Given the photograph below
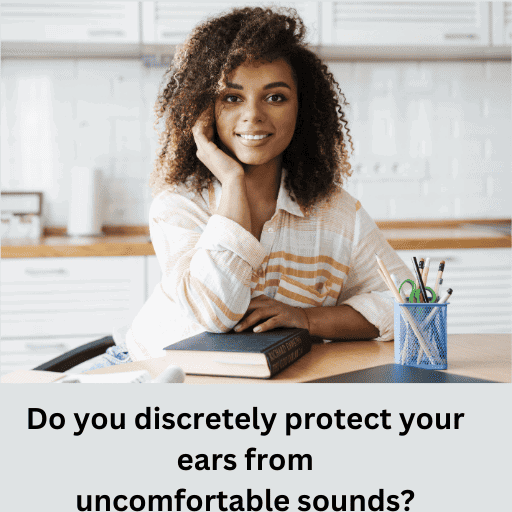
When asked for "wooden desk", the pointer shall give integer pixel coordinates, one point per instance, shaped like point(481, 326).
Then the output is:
point(485, 356)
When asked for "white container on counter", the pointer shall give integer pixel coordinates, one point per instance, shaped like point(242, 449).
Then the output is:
point(85, 217)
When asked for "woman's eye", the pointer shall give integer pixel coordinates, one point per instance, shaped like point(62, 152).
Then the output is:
point(231, 99)
point(276, 98)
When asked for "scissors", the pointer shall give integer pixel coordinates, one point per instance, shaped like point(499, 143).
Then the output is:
point(415, 294)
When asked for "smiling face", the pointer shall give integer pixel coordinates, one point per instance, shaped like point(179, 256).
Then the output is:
point(256, 113)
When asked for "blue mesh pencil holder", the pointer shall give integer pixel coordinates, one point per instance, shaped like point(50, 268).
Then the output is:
point(421, 335)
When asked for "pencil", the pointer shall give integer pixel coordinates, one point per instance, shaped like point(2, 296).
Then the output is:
point(424, 275)
point(388, 283)
point(439, 277)
point(442, 300)
point(395, 282)
point(388, 280)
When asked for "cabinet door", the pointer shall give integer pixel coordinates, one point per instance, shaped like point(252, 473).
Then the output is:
point(501, 23)
point(481, 280)
point(77, 22)
point(171, 22)
point(153, 274)
point(43, 297)
point(415, 23)
point(27, 353)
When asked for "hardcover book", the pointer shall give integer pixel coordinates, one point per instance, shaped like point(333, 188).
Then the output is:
point(245, 354)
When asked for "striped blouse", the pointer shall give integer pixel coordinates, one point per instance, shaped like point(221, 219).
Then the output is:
point(212, 267)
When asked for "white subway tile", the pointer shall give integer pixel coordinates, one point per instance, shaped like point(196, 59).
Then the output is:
point(100, 112)
point(377, 208)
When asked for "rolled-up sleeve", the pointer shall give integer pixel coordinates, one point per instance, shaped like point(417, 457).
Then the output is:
point(207, 261)
point(364, 290)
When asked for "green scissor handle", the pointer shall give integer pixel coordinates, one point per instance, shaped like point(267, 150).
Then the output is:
point(415, 294)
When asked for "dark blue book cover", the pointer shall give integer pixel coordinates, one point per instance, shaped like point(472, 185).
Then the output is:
point(278, 349)
point(258, 343)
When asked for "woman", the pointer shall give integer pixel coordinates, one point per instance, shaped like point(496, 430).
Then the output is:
point(249, 222)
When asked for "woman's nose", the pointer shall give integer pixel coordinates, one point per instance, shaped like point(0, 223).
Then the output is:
point(253, 112)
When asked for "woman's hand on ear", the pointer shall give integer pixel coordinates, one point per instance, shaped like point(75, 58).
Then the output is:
point(277, 314)
point(217, 161)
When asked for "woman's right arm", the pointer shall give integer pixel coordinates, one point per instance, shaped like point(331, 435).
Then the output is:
point(233, 203)
point(207, 261)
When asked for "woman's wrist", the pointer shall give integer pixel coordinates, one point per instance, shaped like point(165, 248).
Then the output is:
point(234, 180)
point(306, 326)
point(233, 202)
point(339, 322)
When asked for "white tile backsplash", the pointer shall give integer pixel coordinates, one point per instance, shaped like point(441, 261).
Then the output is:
point(438, 132)
point(456, 116)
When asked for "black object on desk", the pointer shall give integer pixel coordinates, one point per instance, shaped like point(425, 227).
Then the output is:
point(244, 354)
point(394, 373)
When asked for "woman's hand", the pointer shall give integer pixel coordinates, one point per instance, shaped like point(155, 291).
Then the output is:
point(277, 313)
point(219, 163)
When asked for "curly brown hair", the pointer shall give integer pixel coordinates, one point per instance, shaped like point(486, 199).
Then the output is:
point(317, 157)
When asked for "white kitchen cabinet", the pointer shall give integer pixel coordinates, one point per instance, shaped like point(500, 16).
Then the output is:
point(416, 23)
point(170, 22)
point(502, 23)
point(70, 22)
point(481, 280)
point(43, 297)
point(51, 305)
point(28, 353)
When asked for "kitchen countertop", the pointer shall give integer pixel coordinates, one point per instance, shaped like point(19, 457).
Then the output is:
point(135, 241)
point(445, 238)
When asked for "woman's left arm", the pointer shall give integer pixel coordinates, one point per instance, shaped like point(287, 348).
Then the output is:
point(335, 322)
point(360, 313)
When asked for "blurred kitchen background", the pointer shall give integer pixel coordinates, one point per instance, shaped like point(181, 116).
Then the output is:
point(429, 88)
point(431, 133)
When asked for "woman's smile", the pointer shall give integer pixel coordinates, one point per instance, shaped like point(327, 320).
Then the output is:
point(252, 140)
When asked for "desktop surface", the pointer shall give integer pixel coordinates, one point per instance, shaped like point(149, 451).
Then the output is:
point(479, 356)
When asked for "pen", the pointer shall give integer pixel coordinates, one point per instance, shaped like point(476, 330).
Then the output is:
point(439, 278)
point(424, 276)
point(421, 264)
point(420, 281)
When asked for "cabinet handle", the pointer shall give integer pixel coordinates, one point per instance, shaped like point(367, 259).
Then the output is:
point(55, 346)
point(102, 33)
point(461, 36)
point(46, 271)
